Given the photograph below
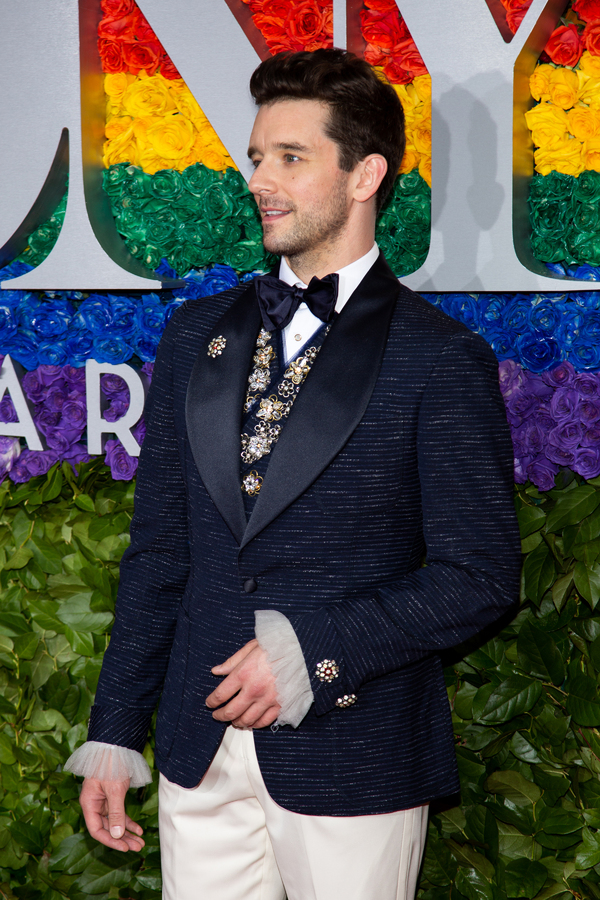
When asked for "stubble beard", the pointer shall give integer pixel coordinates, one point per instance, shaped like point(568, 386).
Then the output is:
point(314, 231)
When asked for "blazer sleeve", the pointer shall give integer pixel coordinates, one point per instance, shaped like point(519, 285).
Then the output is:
point(471, 577)
point(154, 572)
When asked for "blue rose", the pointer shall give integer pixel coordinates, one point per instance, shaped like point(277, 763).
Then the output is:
point(586, 299)
point(584, 272)
point(584, 353)
point(79, 345)
point(501, 343)
point(545, 317)
point(492, 309)
point(537, 352)
point(516, 315)
point(52, 318)
point(462, 307)
point(569, 324)
point(23, 347)
point(150, 315)
point(112, 350)
point(217, 279)
point(590, 326)
point(52, 353)
point(14, 269)
point(145, 346)
point(171, 307)
point(8, 319)
point(123, 311)
point(95, 314)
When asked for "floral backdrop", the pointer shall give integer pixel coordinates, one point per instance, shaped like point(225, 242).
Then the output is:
point(525, 704)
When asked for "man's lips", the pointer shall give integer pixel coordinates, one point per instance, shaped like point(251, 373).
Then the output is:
point(272, 215)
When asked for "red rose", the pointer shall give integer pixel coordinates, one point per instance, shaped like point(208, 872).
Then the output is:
point(564, 46)
point(395, 72)
point(110, 56)
point(382, 6)
point(306, 22)
point(383, 31)
point(591, 38)
point(374, 55)
point(588, 10)
point(278, 8)
point(141, 56)
point(121, 28)
point(117, 8)
point(167, 69)
point(406, 56)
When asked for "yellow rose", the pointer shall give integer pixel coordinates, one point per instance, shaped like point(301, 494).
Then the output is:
point(564, 88)
point(422, 85)
point(425, 169)
point(172, 137)
point(590, 93)
point(148, 96)
point(408, 97)
point(584, 123)
point(151, 162)
point(546, 122)
point(590, 64)
point(564, 156)
point(209, 150)
point(410, 160)
point(115, 86)
point(121, 145)
point(188, 107)
point(591, 154)
point(539, 83)
point(422, 135)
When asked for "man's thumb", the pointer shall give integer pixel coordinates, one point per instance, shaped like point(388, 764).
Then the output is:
point(116, 814)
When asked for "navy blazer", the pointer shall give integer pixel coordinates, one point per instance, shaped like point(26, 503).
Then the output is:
point(397, 447)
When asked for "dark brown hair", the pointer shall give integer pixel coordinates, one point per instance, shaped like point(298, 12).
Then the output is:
point(365, 116)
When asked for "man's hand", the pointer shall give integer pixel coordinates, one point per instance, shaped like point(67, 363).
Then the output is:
point(249, 676)
point(103, 805)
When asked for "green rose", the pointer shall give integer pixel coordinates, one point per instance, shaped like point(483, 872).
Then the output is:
point(227, 232)
point(198, 234)
point(587, 187)
point(43, 240)
point(152, 256)
point(234, 184)
point(584, 247)
point(162, 230)
point(138, 183)
point(586, 217)
point(547, 248)
point(114, 178)
point(132, 224)
point(197, 179)
point(245, 256)
point(216, 203)
point(550, 216)
point(187, 208)
point(253, 231)
point(166, 185)
point(555, 185)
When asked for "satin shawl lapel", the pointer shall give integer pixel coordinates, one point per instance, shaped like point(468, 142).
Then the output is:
point(214, 403)
point(333, 399)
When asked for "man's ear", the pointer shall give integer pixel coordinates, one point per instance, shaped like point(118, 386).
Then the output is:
point(370, 173)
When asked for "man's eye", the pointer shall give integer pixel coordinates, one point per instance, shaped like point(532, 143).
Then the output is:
point(255, 163)
point(289, 157)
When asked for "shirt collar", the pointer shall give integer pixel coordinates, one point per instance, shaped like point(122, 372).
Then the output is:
point(350, 276)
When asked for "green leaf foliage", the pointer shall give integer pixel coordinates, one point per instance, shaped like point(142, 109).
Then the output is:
point(526, 712)
point(525, 707)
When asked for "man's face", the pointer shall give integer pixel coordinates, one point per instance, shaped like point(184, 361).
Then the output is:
point(302, 194)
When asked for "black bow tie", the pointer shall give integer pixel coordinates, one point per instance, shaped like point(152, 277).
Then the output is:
point(279, 301)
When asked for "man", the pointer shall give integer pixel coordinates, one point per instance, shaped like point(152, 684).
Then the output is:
point(371, 431)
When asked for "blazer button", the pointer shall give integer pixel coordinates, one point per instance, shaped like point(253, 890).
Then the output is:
point(250, 585)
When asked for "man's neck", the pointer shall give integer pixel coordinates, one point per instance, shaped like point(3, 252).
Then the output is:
point(326, 260)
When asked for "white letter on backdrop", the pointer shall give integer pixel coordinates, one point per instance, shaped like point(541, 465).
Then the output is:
point(25, 427)
point(96, 425)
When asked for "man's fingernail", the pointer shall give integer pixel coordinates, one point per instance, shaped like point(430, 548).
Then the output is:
point(116, 831)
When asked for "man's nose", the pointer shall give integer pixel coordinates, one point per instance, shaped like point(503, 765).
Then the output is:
point(262, 180)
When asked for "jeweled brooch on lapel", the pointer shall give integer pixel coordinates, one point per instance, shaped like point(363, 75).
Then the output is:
point(216, 346)
point(251, 483)
point(327, 670)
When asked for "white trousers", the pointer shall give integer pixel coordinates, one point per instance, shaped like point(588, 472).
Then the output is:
point(226, 839)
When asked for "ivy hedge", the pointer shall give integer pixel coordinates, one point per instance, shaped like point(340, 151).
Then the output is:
point(525, 705)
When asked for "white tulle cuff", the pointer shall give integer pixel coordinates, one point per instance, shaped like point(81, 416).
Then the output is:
point(276, 636)
point(109, 762)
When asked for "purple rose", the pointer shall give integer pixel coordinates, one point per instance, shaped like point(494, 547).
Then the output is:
point(116, 410)
point(148, 370)
point(75, 378)
point(114, 386)
point(587, 384)
point(535, 438)
point(511, 377)
point(587, 462)
point(8, 412)
point(56, 397)
point(49, 374)
point(139, 431)
point(76, 453)
point(536, 385)
point(74, 414)
point(32, 463)
point(10, 450)
point(564, 403)
point(545, 420)
point(566, 436)
point(542, 473)
point(46, 419)
point(560, 376)
point(589, 411)
point(33, 386)
point(591, 437)
point(520, 407)
point(61, 439)
point(122, 466)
